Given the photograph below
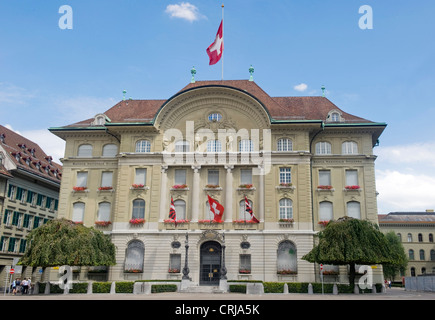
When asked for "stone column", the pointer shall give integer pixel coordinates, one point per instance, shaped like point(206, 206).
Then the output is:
point(195, 193)
point(261, 193)
point(228, 213)
point(163, 193)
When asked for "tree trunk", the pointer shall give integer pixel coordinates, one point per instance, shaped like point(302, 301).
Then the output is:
point(352, 275)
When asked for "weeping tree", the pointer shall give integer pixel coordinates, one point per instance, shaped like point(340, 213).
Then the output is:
point(349, 241)
point(392, 269)
point(62, 242)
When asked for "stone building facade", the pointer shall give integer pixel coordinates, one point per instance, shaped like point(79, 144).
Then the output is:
point(296, 161)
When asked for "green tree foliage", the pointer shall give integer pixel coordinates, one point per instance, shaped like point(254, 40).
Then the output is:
point(62, 242)
point(392, 269)
point(350, 241)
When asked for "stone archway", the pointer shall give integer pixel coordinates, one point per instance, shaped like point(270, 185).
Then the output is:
point(210, 263)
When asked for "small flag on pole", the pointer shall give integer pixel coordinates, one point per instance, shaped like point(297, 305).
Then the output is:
point(216, 49)
point(172, 212)
point(249, 210)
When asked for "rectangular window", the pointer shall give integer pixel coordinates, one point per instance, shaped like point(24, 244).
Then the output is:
point(246, 176)
point(29, 196)
point(3, 243)
point(16, 219)
point(324, 177)
point(106, 179)
point(27, 221)
point(36, 221)
point(23, 244)
point(140, 176)
point(11, 247)
point(351, 177)
point(174, 263)
point(11, 192)
point(285, 175)
point(180, 176)
point(19, 194)
point(213, 177)
point(7, 217)
point(82, 179)
point(245, 264)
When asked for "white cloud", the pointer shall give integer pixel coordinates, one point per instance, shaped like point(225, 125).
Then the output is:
point(405, 177)
point(11, 94)
point(301, 87)
point(399, 191)
point(184, 10)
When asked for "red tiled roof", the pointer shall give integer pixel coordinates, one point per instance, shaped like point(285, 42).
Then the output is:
point(15, 144)
point(279, 108)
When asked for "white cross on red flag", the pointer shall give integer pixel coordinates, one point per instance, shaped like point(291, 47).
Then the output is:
point(216, 208)
point(216, 49)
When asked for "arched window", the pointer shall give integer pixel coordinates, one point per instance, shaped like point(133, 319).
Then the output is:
point(411, 254)
point(323, 147)
point(412, 272)
point(335, 117)
point(285, 208)
point(349, 147)
point(85, 151)
point(143, 146)
point(422, 255)
point(285, 144)
point(354, 209)
point(246, 145)
point(432, 255)
point(110, 150)
point(134, 257)
point(182, 146)
point(78, 212)
point(409, 237)
point(430, 237)
point(325, 211)
point(103, 211)
point(399, 235)
point(420, 237)
point(214, 146)
point(138, 209)
point(180, 209)
point(287, 258)
point(243, 214)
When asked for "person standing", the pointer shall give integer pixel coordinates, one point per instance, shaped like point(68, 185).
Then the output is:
point(25, 285)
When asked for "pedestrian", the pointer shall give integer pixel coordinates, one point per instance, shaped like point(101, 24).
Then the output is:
point(18, 285)
point(29, 286)
point(14, 287)
point(389, 284)
point(25, 285)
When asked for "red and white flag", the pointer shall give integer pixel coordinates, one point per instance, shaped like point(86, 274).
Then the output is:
point(172, 212)
point(216, 49)
point(216, 208)
point(249, 210)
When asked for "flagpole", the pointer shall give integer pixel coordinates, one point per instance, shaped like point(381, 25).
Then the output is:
point(224, 43)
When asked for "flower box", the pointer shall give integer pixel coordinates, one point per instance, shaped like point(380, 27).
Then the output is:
point(174, 270)
point(286, 272)
point(246, 186)
point(137, 221)
point(79, 189)
point(105, 188)
point(176, 221)
point(137, 186)
point(352, 187)
point(285, 185)
point(179, 186)
point(241, 221)
point(210, 221)
point(212, 186)
point(245, 271)
point(324, 187)
point(323, 222)
point(133, 271)
point(103, 223)
point(286, 220)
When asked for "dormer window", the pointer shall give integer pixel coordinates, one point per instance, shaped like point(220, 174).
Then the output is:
point(334, 116)
point(2, 138)
point(49, 159)
point(99, 120)
point(28, 159)
point(32, 151)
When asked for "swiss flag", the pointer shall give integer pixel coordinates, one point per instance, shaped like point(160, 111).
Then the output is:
point(216, 49)
point(216, 208)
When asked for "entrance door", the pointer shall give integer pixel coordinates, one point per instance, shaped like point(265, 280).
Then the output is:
point(210, 263)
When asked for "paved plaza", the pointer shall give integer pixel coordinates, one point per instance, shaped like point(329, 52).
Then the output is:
point(390, 294)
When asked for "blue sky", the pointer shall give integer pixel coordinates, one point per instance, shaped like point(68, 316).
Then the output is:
point(52, 77)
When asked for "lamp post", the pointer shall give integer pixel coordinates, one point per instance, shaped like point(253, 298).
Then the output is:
point(223, 268)
point(186, 267)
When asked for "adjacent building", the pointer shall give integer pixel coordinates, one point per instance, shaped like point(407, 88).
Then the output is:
point(416, 231)
point(294, 162)
point(29, 196)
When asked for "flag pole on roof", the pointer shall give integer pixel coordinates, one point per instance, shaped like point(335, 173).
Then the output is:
point(215, 50)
